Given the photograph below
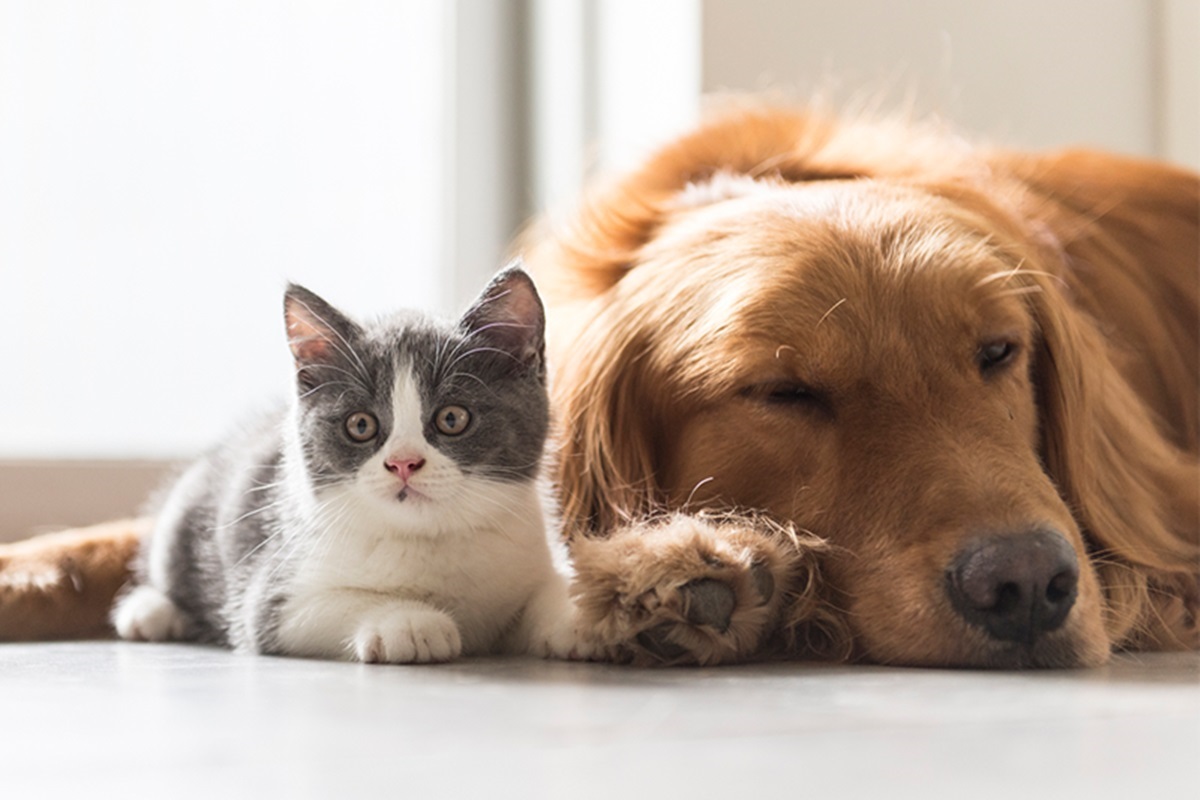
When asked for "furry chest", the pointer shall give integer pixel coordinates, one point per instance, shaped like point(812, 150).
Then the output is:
point(482, 578)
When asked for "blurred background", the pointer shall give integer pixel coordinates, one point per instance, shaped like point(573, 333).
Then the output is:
point(165, 168)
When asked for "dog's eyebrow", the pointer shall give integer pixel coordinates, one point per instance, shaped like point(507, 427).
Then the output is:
point(832, 308)
point(1019, 290)
point(1007, 274)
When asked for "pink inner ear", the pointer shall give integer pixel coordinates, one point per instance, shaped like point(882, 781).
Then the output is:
point(310, 349)
point(521, 308)
point(309, 342)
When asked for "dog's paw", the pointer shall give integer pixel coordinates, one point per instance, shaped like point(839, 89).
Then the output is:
point(684, 590)
point(148, 615)
point(406, 635)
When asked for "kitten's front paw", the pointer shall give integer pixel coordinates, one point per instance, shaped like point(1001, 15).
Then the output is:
point(568, 642)
point(407, 636)
point(148, 615)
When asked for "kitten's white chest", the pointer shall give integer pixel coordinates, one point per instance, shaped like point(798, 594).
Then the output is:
point(482, 576)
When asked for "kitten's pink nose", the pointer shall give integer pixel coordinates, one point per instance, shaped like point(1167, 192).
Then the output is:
point(404, 466)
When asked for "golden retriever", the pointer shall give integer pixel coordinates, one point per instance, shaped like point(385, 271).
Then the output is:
point(852, 390)
point(973, 374)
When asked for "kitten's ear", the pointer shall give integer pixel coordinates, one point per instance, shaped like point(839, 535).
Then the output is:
point(318, 334)
point(509, 316)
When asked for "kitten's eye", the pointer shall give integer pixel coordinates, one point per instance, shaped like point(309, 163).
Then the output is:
point(361, 426)
point(993, 355)
point(452, 420)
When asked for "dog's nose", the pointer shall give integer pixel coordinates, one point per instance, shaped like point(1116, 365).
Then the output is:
point(1015, 586)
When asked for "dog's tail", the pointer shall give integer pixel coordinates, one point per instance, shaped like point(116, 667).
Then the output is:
point(62, 585)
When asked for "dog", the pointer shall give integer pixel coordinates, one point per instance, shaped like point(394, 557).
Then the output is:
point(851, 390)
point(965, 380)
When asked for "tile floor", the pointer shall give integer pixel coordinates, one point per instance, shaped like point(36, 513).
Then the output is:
point(107, 719)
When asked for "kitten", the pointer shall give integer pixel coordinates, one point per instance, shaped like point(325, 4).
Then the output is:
point(390, 514)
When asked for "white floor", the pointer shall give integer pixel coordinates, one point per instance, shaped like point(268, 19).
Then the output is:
point(106, 719)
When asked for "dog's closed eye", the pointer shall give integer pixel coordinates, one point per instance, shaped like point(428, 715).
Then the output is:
point(789, 395)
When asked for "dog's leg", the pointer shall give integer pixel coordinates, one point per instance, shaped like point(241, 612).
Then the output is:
point(62, 585)
point(706, 589)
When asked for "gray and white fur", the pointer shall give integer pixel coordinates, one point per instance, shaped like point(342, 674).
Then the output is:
point(390, 513)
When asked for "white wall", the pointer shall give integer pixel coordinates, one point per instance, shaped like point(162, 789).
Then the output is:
point(1036, 73)
point(1179, 46)
point(166, 167)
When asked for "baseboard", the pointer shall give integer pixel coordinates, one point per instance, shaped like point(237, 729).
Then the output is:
point(42, 496)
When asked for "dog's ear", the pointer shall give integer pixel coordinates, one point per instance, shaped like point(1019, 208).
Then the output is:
point(1135, 494)
point(1125, 233)
point(608, 449)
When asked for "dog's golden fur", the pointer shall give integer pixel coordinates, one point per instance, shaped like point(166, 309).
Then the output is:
point(781, 315)
point(61, 585)
point(868, 263)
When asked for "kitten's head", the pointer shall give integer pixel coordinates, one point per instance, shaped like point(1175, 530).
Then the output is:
point(429, 423)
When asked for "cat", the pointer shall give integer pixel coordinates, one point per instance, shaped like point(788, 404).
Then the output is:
point(390, 514)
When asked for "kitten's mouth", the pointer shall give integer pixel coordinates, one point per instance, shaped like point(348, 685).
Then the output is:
point(409, 493)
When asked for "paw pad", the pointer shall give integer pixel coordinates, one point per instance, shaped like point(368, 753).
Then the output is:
point(708, 602)
point(764, 581)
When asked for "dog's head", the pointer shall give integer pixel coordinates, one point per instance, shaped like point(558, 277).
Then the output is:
point(882, 353)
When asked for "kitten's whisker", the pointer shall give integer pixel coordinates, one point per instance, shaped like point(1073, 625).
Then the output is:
point(270, 537)
point(247, 515)
point(475, 378)
point(475, 350)
point(500, 324)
